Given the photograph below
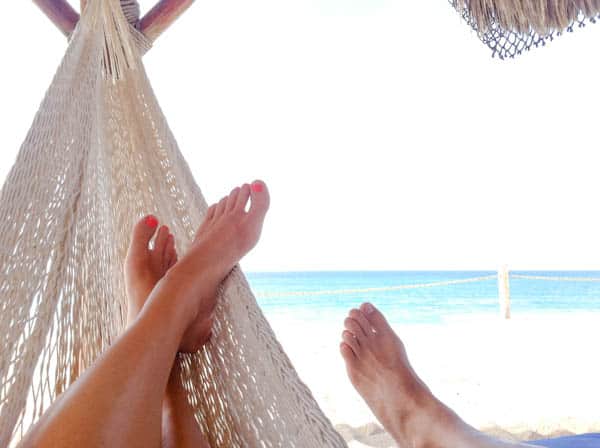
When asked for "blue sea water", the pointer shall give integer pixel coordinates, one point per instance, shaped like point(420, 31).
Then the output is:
point(301, 294)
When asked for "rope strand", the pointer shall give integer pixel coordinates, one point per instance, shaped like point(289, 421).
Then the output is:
point(378, 289)
point(265, 295)
point(555, 279)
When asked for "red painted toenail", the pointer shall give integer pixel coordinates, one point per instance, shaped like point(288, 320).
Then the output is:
point(151, 221)
point(257, 187)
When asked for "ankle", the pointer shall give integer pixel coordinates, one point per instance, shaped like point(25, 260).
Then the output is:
point(193, 274)
point(420, 423)
point(174, 291)
point(434, 425)
point(162, 309)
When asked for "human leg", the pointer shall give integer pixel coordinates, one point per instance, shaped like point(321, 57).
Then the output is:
point(144, 267)
point(118, 400)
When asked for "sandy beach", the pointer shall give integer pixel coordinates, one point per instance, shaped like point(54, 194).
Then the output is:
point(533, 376)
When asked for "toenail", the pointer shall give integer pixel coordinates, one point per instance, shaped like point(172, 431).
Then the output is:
point(257, 187)
point(151, 221)
point(368, 308)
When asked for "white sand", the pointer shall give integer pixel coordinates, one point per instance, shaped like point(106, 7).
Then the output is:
point(532, 376)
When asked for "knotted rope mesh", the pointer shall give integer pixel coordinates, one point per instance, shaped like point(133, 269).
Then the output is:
point(98, 156)
point(131, 11)
point(510, 27)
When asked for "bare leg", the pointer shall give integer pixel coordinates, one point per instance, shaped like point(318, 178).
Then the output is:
point(379, 369)
point(144, 267)
point(118, 401)
point(180, 428)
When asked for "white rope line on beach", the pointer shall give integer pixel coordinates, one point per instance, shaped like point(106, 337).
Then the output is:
point(377, 289)
point(555, 279)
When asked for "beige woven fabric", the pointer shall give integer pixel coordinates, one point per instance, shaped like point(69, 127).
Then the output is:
point(99, 156)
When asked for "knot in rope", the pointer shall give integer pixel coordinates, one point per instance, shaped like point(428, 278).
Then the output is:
point(131, 9)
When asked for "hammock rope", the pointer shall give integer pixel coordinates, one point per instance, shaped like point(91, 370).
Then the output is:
point(131, 11)
point(376, 289)
point(336, 292)
point(555, 278)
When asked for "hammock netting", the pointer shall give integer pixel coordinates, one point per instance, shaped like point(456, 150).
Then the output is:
point(99, 156)
point(510, 27)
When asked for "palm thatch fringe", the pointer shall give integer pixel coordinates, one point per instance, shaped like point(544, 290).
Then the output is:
point(509, 27)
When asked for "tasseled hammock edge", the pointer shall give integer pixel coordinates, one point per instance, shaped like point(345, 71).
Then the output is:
point(509, 27)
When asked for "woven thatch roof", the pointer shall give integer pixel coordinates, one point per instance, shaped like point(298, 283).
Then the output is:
point(509, 27)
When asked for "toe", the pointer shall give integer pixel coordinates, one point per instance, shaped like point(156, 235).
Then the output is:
point(347, 353)
point(353, 327)
point(351, 341)
point(172, 261)
point(207, 221)
point(242, 197)
point(210, 213)
point(158, 251)
point(221, 207)
point(359, 317)
point(170, 252)
point(161, 241)
point(142, 234)
point(259, 197)
point(232, 199)
point(375, 318)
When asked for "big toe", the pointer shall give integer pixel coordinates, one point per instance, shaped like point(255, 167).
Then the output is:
point(142, 234)
point(375, 318)
point(259, 200)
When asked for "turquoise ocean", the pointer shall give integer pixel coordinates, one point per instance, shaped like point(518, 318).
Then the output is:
point(321, 296)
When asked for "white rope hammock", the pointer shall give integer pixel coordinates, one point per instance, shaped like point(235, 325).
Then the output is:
point(99, 156)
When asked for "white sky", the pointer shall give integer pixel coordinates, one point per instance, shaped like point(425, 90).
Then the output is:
point(388, 135)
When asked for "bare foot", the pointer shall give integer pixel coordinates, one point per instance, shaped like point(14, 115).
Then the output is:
point(226, 235)
point(378, 368)
point(145, 266)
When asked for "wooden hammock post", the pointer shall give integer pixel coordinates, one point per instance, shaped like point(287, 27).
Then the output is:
point(159, 18)
point(504, 291)
point(152, 25)
point(61, 13)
